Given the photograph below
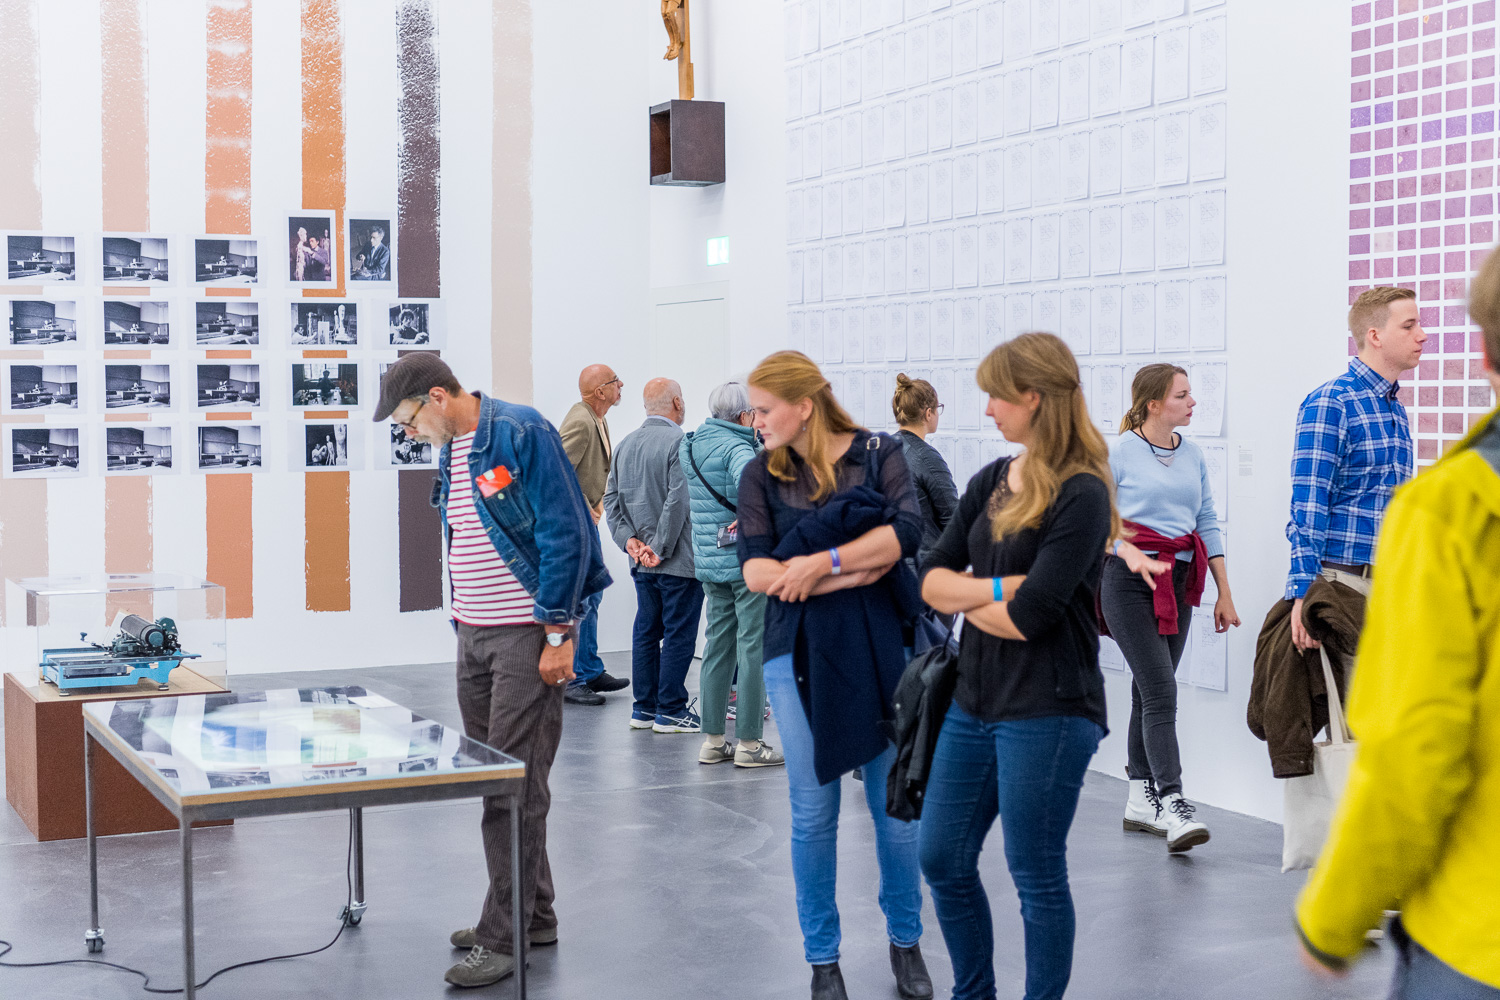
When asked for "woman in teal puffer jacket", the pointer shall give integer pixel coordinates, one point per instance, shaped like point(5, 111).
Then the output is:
point(712, 459)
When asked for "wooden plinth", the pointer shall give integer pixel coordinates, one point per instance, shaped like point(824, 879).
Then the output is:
point(44, 763)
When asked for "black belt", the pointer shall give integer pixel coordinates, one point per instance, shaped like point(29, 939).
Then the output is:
point(1363, 571)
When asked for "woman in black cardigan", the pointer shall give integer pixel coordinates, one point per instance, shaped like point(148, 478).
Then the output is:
point(1022, 561)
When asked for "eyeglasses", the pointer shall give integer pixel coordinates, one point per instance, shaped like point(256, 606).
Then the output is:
point(410, 423)
point(605, 385)
point(939, 409)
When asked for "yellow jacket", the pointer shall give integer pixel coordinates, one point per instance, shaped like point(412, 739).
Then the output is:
point(1418, 828)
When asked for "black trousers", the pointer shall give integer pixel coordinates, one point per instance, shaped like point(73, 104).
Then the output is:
point(1129, 611)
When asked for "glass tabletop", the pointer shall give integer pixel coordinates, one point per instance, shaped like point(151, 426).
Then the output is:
point(291, 738)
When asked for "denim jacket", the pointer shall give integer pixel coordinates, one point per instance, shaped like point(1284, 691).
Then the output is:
point(556, 557)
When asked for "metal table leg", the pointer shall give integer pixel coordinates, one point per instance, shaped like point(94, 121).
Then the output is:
point(517, 922)
point(185, 835)
point(93, 938)
point(355, 911)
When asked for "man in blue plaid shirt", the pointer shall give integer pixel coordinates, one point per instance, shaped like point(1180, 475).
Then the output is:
point(1353, 449)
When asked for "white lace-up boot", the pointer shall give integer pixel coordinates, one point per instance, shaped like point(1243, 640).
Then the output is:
point(1183, 832)
point(1143, 809)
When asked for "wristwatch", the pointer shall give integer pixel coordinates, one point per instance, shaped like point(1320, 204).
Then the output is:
point(556, 639)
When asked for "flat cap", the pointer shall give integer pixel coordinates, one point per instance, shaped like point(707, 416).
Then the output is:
point(414, 375)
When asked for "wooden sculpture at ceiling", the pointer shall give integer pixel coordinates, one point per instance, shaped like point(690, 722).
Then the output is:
point(674, 15)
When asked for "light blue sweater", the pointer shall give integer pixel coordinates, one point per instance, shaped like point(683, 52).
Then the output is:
point(1170, 500)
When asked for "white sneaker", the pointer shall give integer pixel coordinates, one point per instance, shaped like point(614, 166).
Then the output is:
point(1143, 809)
point(1183, 832)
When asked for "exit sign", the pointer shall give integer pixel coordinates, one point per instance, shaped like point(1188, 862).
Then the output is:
point(718, 250)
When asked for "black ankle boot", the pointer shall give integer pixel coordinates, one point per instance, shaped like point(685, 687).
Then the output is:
point(828, 983)
point(912, 980)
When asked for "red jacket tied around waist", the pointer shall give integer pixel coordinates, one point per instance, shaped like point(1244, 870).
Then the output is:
point(1164, 598)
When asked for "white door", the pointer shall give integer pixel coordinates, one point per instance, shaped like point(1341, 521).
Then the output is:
point(690, 342)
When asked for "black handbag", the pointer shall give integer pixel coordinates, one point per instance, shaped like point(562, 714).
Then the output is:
point(728, 534)
point(921, 702)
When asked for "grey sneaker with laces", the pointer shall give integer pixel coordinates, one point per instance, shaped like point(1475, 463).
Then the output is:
point(481, 967)
point(465, 939)
point(764, 755)
point(716, 755)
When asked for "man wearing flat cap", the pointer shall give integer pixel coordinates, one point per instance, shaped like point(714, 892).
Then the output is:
point(523, 560)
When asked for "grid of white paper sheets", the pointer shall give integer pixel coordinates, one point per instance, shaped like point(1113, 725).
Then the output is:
point(962, 171)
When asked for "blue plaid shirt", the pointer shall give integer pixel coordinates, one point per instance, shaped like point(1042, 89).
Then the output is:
point(1353, 449)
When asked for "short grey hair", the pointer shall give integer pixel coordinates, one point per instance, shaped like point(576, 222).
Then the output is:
point(659, 403)
point(728, 401)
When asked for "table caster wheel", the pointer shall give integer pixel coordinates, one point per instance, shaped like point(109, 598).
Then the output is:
point(94, 941)
point(163, 687)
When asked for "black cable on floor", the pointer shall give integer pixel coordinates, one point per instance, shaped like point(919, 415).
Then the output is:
point(146, 984)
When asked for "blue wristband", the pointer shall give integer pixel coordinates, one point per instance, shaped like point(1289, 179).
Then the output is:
point(999, 586)
point(834, 555)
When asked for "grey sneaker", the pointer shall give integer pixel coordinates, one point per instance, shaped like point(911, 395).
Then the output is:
point(764, 755)
point(481, 967)
point(465, 939)
point(716, 755)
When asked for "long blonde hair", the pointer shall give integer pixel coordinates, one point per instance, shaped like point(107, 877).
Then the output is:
point(1064, 441)
point(792, 376)
point(1151, 384)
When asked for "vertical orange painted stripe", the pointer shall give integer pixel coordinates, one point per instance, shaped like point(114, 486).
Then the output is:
point(227, 210)
point(128, 530)
point(326, 503)
point(23, 502)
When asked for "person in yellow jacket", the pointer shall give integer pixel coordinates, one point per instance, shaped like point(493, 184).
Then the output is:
point(1418, 828)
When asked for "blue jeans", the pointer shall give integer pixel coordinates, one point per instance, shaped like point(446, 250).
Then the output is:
point(665, 639)
point(586, 662)
point(1028, 772)
point(815, 827)
point(1421, 975)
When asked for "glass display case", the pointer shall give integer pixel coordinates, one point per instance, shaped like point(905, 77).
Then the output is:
point(117, 635)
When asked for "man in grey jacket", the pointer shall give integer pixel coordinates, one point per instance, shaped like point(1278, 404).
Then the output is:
point(648, 510)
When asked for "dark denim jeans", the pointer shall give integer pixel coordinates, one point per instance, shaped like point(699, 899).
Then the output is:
point(1028, 772)
point(586, 662)
point(665, 639)
point(1421, 975)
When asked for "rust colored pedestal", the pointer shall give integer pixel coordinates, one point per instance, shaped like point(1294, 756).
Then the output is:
point(44, 772)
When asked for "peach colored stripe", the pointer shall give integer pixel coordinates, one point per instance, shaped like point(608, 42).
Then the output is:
point(231, 545)
point(226, 293)
point(23, 502)
point(127, 517)
point(227, 354)
point(21, 355)
point(326, 414)
point(327, 542)
point(325, 354)
point(124, 418)
point(128, 355)
point(22, 418)
point(228, 416)
point(128, 291)
point(127, 198)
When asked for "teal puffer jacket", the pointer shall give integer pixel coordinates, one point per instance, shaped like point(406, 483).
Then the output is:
point(722, 450)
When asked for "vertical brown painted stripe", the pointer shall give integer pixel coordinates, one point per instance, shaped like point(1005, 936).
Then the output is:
point(227, 210)
point(418, 274)
point(510, 212)
point(23, 502)
point(325, 494)
point(128, 528)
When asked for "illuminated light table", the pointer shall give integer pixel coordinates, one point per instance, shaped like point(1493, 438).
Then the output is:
point(268, 753)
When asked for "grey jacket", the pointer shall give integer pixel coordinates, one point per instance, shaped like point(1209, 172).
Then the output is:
point(647, 496)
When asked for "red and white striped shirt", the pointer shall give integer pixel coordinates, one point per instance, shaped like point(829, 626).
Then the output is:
point(485, 591)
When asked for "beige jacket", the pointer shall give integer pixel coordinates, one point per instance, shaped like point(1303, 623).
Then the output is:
point(586, 440)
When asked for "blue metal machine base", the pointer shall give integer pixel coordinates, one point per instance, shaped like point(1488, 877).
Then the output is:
point(131, 670)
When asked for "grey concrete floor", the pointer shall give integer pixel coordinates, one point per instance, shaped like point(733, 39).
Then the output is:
point(673, 880)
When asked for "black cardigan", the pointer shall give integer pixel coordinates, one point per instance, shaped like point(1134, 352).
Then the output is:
point(1056, 671)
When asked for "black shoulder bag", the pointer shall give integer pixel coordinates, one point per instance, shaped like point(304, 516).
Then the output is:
point(728, 534)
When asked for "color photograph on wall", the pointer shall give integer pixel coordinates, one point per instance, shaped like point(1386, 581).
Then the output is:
point(415, 323)
point(36, 452)
point(226, 322)
point(325, 323)
point(334, 384)
point(311, 253)
point(230, 447)
point(137, 323)
point(50, 323)
point(137, 449)
point(372, 250)
point(233, 387)
point(137, 387)
point(134, 259)
point(324, 446)
point(33, 259)
point(31, 388)
point(225, 260)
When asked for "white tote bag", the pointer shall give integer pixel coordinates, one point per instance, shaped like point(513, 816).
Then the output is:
point(1311, 799)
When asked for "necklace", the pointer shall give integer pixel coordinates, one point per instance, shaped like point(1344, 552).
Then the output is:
point(1164, 459)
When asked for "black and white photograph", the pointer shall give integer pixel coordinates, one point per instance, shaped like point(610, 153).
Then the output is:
point(229, 448)
point(137, 449)
point(237, 779)
point(50, 323)
point(137, 323)
point(130, 259)
point(325, 323)
point(227, 323)
point(230, 387)
point(415, 323)
point(225, 260)
point(325, 446)
point(408, 453)
point(372, 250)
point(311, 253)
point(332, 383)
point(38, 259)
point(137, 387)
point(33, 388)
point(42, 451)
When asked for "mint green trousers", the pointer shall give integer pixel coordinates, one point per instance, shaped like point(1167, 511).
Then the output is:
point(736, 632)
